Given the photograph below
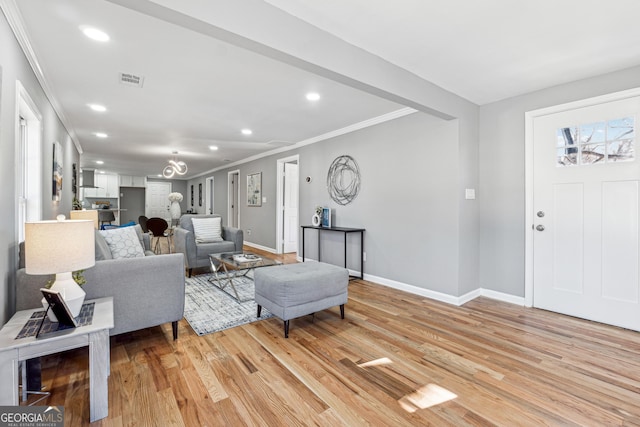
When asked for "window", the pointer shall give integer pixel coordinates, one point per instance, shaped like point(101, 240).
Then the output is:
point(596, 143)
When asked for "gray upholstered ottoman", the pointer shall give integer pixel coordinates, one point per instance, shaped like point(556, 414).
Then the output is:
point(293, 290)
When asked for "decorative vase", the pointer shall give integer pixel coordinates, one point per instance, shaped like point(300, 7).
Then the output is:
point(315, 220)
point(175, 210)
point(72, 294)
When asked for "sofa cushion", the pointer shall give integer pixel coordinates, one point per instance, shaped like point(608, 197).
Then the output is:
point(123, 242)
point(102, 248)
point(207, 230)
point(203, 250)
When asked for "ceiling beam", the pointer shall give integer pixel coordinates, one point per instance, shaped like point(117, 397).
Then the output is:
point(264, 29)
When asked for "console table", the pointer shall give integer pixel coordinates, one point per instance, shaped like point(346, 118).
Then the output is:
point(95, 336)
point(343, 230)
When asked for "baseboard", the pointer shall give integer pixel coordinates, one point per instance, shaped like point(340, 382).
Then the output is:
point(257, 246)
point(442, 297)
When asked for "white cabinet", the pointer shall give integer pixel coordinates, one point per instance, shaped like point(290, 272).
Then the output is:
point(108, 185)
point(132, 181)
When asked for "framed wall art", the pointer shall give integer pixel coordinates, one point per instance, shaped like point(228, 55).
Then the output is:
point(254, 189)
point(200, 194)
point(57, 172)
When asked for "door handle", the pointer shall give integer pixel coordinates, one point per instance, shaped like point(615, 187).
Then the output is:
point(540, 228)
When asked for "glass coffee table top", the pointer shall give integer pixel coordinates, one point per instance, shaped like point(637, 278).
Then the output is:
point(229, 265)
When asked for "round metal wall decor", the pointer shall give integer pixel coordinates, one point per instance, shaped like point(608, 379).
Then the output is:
point(343, 180)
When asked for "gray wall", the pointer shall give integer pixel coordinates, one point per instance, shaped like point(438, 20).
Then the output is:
point(13, 67)
point(409, 201)
point(502, 175)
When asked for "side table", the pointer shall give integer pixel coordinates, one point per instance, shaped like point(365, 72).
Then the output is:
point(95, 336)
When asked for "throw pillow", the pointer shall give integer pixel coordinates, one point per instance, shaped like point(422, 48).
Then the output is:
point(123, 242)
point(103, 251)
point(207, 230)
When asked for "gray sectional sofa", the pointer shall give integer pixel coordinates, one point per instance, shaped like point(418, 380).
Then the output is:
point(147, 291)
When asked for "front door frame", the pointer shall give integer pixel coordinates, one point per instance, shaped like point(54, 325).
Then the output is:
point(529, 178)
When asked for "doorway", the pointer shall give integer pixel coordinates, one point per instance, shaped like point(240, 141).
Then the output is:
point(288, 177)
point(157, 200)
point(209, 193)
point(583, 195)
point(233, 197)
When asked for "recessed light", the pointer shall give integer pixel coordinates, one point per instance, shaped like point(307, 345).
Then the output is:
point(99, 162)
point(159, 175)
point(313, 96)
point(101, 171)
point(213, 147)
point(94, 33)
point(247, 131)
point(97, 107)
point(100, 134)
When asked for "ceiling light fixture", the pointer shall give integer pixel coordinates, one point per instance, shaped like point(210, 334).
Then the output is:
point(247, 131)
point(213, 147)
point(313, 96)
point(97, 107)
point(100, 134)
point(99, 162)
point(174, 167)
point(94, 33)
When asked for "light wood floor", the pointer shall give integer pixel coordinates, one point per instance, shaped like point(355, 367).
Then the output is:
point(396, 359)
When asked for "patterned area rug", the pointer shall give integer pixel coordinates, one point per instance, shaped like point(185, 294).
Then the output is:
point(209, 309)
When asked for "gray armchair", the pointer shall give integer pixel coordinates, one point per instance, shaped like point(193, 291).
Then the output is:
point(197, 254)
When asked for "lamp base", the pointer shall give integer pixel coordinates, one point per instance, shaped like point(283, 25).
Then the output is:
point(71, 293)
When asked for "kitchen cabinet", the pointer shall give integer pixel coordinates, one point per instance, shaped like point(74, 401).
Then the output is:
point(132, 181)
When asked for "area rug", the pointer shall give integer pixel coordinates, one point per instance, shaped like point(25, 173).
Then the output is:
point(209, 309)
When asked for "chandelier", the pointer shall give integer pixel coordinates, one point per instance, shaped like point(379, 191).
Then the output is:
point(174, 167)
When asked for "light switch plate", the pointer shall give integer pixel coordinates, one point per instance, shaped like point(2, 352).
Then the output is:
point(470, 193)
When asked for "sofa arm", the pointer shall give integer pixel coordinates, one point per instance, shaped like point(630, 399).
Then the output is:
point(234, 235)
point(146, 291)
point(184, 242)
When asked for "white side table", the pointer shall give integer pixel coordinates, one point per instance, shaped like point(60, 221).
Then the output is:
point(95, 336)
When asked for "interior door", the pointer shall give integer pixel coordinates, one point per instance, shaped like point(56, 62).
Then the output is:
point(586, 193)
point(290, 207)
point(234, 189)
point(157, 200)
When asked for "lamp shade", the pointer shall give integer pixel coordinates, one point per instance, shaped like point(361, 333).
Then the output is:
point(86, 214)
point(53, 247)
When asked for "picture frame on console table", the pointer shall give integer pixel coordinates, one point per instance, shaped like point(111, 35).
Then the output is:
point(325, 218)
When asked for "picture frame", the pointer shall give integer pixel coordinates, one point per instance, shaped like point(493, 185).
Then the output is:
point(200, 194)
point(325, 218)
point(254, 189)
point(57, 175)
point(192, 195)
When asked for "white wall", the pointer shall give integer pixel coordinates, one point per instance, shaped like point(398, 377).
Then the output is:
point(502, 175)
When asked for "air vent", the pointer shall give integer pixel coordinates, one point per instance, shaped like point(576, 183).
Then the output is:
point(130, 79)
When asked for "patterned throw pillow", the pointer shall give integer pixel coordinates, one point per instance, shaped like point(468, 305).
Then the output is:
point(207, 230)
point(123, 242)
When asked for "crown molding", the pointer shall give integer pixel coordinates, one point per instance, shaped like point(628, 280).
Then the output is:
point(332, 134)
point(14, 18)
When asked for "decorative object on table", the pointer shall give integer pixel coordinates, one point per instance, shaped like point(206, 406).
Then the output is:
point(325, 218)
point(343, 180)
point(174, 208)
point(174, 167)
point(254, 189)
point(57, 172)
point(200, 194)
point(61, 247)
point(315, 219)
point(76, 205)
point(208, 309)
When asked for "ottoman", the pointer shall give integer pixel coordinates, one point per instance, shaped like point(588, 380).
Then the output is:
point(293, 290)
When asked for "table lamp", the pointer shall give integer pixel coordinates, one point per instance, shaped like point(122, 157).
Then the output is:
point(61, 247)
point(86, 214)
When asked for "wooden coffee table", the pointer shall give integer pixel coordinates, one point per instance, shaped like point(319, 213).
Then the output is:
point(229, 265)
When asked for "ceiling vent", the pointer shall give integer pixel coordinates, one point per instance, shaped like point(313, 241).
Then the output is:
point(130, 79)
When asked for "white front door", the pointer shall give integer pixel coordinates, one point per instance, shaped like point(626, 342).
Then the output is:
point(290, 207)
point(586, 173)
point(157, 200)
